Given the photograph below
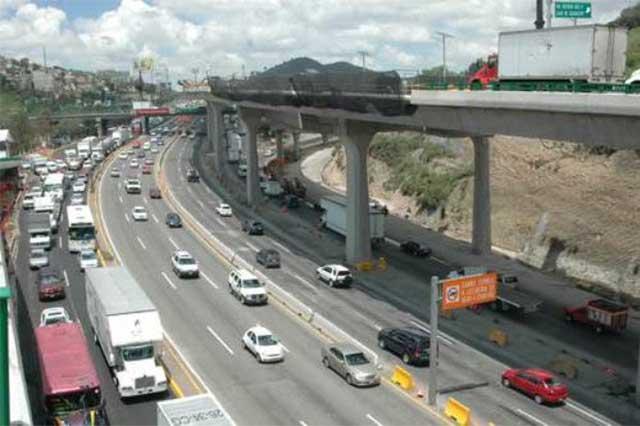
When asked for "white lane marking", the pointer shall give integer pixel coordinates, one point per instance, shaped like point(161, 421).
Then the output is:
point(201, 204)
point(252, 247)
point(141, 243)
point(222, 342)
point(126, 217)
point(59, 242)
point(376, 422)
point(66, 278)
point(305, 282)
point(367, 321)
point(531, 417)
point(173, 243)
point(587, 413)
point(169, 281)
point(302, 423)
point(283, 248)
point(220, 222)
point(209, 280)
point(392, 241)
point(155, 218)
point(445, 338)
point(145, 200)
point(190, 190)
point(285, 348)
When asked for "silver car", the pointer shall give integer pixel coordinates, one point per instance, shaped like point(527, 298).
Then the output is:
point(38, 258)
point(350, 363)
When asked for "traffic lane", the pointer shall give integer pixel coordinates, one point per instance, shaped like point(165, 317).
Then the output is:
point(234, 317)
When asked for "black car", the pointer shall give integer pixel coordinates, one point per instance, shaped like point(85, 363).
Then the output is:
point(270, 258)
point(415, 249)
point(193, 176)
point(291, 201)
point(173, 220)
point(411, 344)
point(252, 227)
point(140, 154)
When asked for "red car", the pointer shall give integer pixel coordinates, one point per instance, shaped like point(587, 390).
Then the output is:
point(537, 383)
point(50, 284)
point(146, 170)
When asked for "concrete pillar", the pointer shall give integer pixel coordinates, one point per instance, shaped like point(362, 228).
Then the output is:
point(355, 137)
point(280, 144)
point(481, 235)
point(211, 125)
point(253, 121)
point(100, 127)
point(146, 128)
point(219, 138)
point(325, 139)
point(296, 145)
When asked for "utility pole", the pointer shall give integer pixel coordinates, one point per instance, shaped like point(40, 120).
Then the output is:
point(444, 36)
point(44, 57)
point(364, 55)
point(539, 22)
point(549, 12)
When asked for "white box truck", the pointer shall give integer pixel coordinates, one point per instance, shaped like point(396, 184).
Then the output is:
point(592, 53)
point(198, 410)
point(39, 229)
point(234, 147)
point(127, 327)
point(334, 217)
point(84, 147)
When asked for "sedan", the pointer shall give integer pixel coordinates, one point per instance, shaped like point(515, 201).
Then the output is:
point(415, 249)
point(154, 193)
point(224, 210)
point(50, 284)
point(173, 220)
point(148, 162)
point(146, 170)
point(350, 363)
point(139, 213)
point(140, 154)
point(88, 259)
point(252, 227)
point(410, 343)
point(154, 150)
point(76, 199)
point(50, 316)
point(269, 258)
point(134, 164)
point(263, 344)
point(79, 187)
point(537, 383)
point(123, 155)
point(115, 172)
point(38, 258)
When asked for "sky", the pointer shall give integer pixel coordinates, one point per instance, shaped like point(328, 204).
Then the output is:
point(190, 38)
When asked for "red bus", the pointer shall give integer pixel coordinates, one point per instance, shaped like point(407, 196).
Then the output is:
point(70, 384)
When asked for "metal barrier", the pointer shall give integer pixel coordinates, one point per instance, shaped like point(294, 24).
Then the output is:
point(460, 413)
point(499, 337)
point(402, 378)
point(365, 266)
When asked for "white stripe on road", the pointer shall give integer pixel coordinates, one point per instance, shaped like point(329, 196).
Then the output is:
point(213, 333)
point(126, 217)
point(145, 200)
point(190, 190)
point(59, 242)
point(173, 243)
point(220, 222)
point(305, 282)
point(281, 246)
point(285, 348)
point(141, 243)
point(587, 413)
point(376, 422)
point(169, 281)
point(252, 247)
point(531, 417)
point(302, 423)
point(201, 203)
point(155, 218)
point(209, 280)
point(66, 278)
point(120, 198)
point(441, 335)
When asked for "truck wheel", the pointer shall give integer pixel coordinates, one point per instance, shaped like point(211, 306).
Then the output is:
point(242, 300)
point(406, 359)
point(332, 283)
point(496, 306)
point(538, 399)
point(325, 362)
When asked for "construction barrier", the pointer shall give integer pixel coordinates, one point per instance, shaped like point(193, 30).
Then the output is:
point(382, 264)
point(564, 366)
point(460, 413)
point(499, 337)
point(402, 378)
point(365, 266)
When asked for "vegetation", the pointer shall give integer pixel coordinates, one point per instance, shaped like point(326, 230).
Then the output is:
point(411, 159)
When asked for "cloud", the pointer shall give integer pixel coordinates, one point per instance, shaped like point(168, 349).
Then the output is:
point(220, 36)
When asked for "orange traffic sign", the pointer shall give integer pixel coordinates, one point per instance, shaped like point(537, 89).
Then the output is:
point(462, 292)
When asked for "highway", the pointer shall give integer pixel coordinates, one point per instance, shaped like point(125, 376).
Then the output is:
point(362, 314)
point(206, 324)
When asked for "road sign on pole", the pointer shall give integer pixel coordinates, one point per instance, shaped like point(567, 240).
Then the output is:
point(575, 10)
point(433, 346)
point(470, 290)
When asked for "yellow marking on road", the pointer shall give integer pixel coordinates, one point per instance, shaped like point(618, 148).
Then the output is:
point(183, 367)
point(175, 388)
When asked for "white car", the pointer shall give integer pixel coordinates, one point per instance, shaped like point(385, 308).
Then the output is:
point(55, 315)
point(28, 200)
point(246, 287)
point(38, 258)
point(154, 150)
point(134, 164)
point(79, 187)
point(123, 155)
point(139, 213)
point(224, 210)
point(115, 172)
point(263, 344)
point(76, 199)
point(335, 275)
point(133, 186)
point(88, 259)
point(184, 265)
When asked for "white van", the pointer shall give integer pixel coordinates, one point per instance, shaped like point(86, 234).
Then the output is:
point(246, 287)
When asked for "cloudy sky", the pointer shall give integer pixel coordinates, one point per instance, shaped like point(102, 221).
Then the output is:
point(220, 36)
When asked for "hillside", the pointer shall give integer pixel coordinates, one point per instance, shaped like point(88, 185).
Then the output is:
point(630, 18)
point(303, 64)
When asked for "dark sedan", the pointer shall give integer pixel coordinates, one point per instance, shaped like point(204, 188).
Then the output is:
point(411, 344)
point(252, 227)
point(173, 220)
point(51, 285)
point(415, 249)
point(154, 192)
point(269, 258)
point(193, 176)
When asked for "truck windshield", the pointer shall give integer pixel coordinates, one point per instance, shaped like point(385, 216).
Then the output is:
point(136, 353)
point(82, 233)
point(73, 401)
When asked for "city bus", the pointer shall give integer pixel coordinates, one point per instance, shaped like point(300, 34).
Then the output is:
point(54, 185)
point(81, 230)
point(70, 383)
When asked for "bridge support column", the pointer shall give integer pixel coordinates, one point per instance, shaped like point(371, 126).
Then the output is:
point(215, 134)
point(296, 145)
point(280, 144)
point(481, 234)
point(101, 127)
point(253, 121)
point(355, 137)
point(325, 139)
point(146, 128)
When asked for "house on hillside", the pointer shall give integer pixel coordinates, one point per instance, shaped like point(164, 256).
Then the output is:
point(6, 142)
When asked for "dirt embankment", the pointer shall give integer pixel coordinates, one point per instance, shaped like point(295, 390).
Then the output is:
point(558, 206)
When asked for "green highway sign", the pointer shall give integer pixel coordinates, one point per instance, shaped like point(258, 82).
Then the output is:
point(565, 9)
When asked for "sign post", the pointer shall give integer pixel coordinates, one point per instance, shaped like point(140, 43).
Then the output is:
point(574, 10)
point(433, 350)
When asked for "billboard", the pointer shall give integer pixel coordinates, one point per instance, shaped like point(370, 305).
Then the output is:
point(470, 290)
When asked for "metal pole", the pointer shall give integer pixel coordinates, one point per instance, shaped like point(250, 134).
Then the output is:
point(4, 356)
point(549, 13)
point(539, 22)
point(637, 381)
point(433, 350)
point(444, 54)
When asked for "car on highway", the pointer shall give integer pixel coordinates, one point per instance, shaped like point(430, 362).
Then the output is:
point(155, 150)
point(184, 265)
point(55, 315)
point(149, 162)
point(173, 220)
point(133, 186)
point(269, 258)
point(123, 155)
point(245, 286)
point(115, 172)
point(134, 164)
point(154, 192)
point(351, 364)
point(224, 210)
point(140, 154)
point(536, 383)
point(87, 259)
point(50, 284)
point(335, 275)
point(146, 169)
point(263, 345)
point(76, 199)
point(28, 200)
point(415, 249)
point(139, 213)
point(146, 146)
point(38, 258)
point(409, 343)
point(79, 187)
point(192, 175)
point(252, 227)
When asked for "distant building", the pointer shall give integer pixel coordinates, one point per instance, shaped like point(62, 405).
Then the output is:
point(6, 142)
point(43, 81)
point(114, 76)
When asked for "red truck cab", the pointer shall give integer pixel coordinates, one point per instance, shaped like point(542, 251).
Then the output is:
point(602, 315)
point(485, 75)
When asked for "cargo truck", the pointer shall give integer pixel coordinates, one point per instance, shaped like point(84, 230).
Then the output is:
point(84, 147)
point(334, 217)
point(126, 325)
point(198, 410)
point(39, 229)
point(602, 315)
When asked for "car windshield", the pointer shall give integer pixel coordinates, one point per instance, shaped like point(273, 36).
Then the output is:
point(82, 233)
point(267, 340)
point(356, 359)
point(54, 319)
point(50, 278)
point(186, 261)
point(251, 283)
point(37, 253)
point(136, 353)
point(139, 210)
point(89, 255)
point(550, 381)
point(343, 273)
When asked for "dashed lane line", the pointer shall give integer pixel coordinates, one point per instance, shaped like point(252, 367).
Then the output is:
point(141, 243)
point(209, 280)
point(164, 275)
point(222, 342)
